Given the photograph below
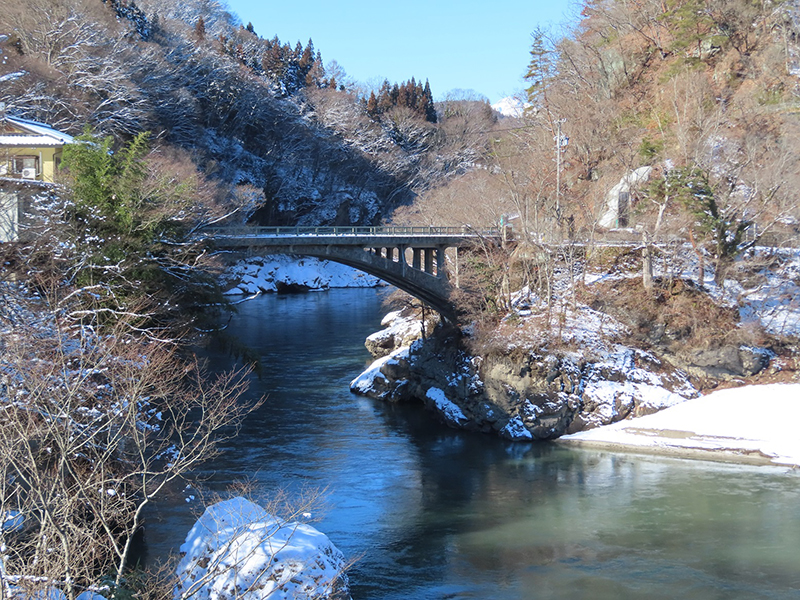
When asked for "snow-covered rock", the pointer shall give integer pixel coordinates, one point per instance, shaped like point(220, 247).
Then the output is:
point(399, 331)
point(374, 382)
point(522, 395)
point(278, 273)
point(515, 430)
point(620, 387)
point(615, 207)
point(237, 550)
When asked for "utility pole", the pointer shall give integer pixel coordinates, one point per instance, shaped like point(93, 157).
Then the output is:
point(561, 143)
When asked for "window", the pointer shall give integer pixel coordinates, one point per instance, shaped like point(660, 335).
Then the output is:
point(25, 162)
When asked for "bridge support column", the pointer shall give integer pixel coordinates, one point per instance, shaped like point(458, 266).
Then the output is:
point(401, 258)
point(457, 253)
point(416, 260)
point(428, 261)
point(441, 261)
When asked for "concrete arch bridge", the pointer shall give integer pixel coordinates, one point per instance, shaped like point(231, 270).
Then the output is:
point(413, 259)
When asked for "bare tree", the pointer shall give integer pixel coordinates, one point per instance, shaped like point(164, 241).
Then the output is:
point(94, 427)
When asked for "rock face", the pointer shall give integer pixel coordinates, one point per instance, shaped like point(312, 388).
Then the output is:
point(727, 362)
point(521, 395)
point(237, 550)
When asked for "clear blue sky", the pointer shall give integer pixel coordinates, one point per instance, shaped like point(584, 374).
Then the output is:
point(467, 44)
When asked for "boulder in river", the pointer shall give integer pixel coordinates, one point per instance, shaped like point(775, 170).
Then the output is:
point(238, 550)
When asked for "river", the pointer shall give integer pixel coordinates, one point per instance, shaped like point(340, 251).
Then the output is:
point(431, 513)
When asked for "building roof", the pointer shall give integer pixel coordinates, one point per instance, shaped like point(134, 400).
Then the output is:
point(16, 132)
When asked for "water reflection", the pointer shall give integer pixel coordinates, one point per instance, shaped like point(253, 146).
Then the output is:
point(436, 513)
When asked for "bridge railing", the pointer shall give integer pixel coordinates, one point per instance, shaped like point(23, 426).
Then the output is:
point(241, 231)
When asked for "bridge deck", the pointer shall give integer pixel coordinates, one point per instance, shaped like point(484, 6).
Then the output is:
point(347, 236)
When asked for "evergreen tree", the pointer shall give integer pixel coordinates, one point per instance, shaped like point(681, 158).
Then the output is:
point(306, 61)
point(691, 24)
point(428, 105)
point(540, 68)
point(373, 109)
point(272, 61)
point(200, 29)
point(316, 71)
point(408, 94)
point(128, 227)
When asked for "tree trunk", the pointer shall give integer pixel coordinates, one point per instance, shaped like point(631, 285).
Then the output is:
point(701, 266)
point(721, 267)
point(647, 263)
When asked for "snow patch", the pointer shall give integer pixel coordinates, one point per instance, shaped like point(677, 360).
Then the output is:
point(450, 411)
point(515, 430)
point(760, 420)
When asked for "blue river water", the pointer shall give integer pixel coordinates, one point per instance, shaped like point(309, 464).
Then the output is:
point(427, 512)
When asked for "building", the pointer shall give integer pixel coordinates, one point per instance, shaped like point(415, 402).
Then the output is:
point(30, 150)
point(30, 154)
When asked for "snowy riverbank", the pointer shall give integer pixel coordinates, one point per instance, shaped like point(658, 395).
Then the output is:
point(615, 359)
point(265, 274)
point(754, 424)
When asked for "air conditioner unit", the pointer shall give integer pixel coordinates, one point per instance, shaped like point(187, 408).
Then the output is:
point(29, 173)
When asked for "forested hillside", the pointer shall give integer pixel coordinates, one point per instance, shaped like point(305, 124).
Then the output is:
point(298, 140)
point(694, 102)
point(651, 184)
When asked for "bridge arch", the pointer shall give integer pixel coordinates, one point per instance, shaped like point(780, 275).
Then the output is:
point(378, 251)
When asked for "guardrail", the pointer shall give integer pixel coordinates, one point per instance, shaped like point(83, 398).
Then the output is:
point(348, 231)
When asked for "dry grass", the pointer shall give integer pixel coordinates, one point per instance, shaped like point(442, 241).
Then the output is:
point(676, 314)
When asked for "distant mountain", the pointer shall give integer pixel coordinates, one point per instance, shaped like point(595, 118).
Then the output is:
point(510, 107)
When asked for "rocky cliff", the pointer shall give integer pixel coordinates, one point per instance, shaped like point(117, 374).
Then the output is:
point(528, 393)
